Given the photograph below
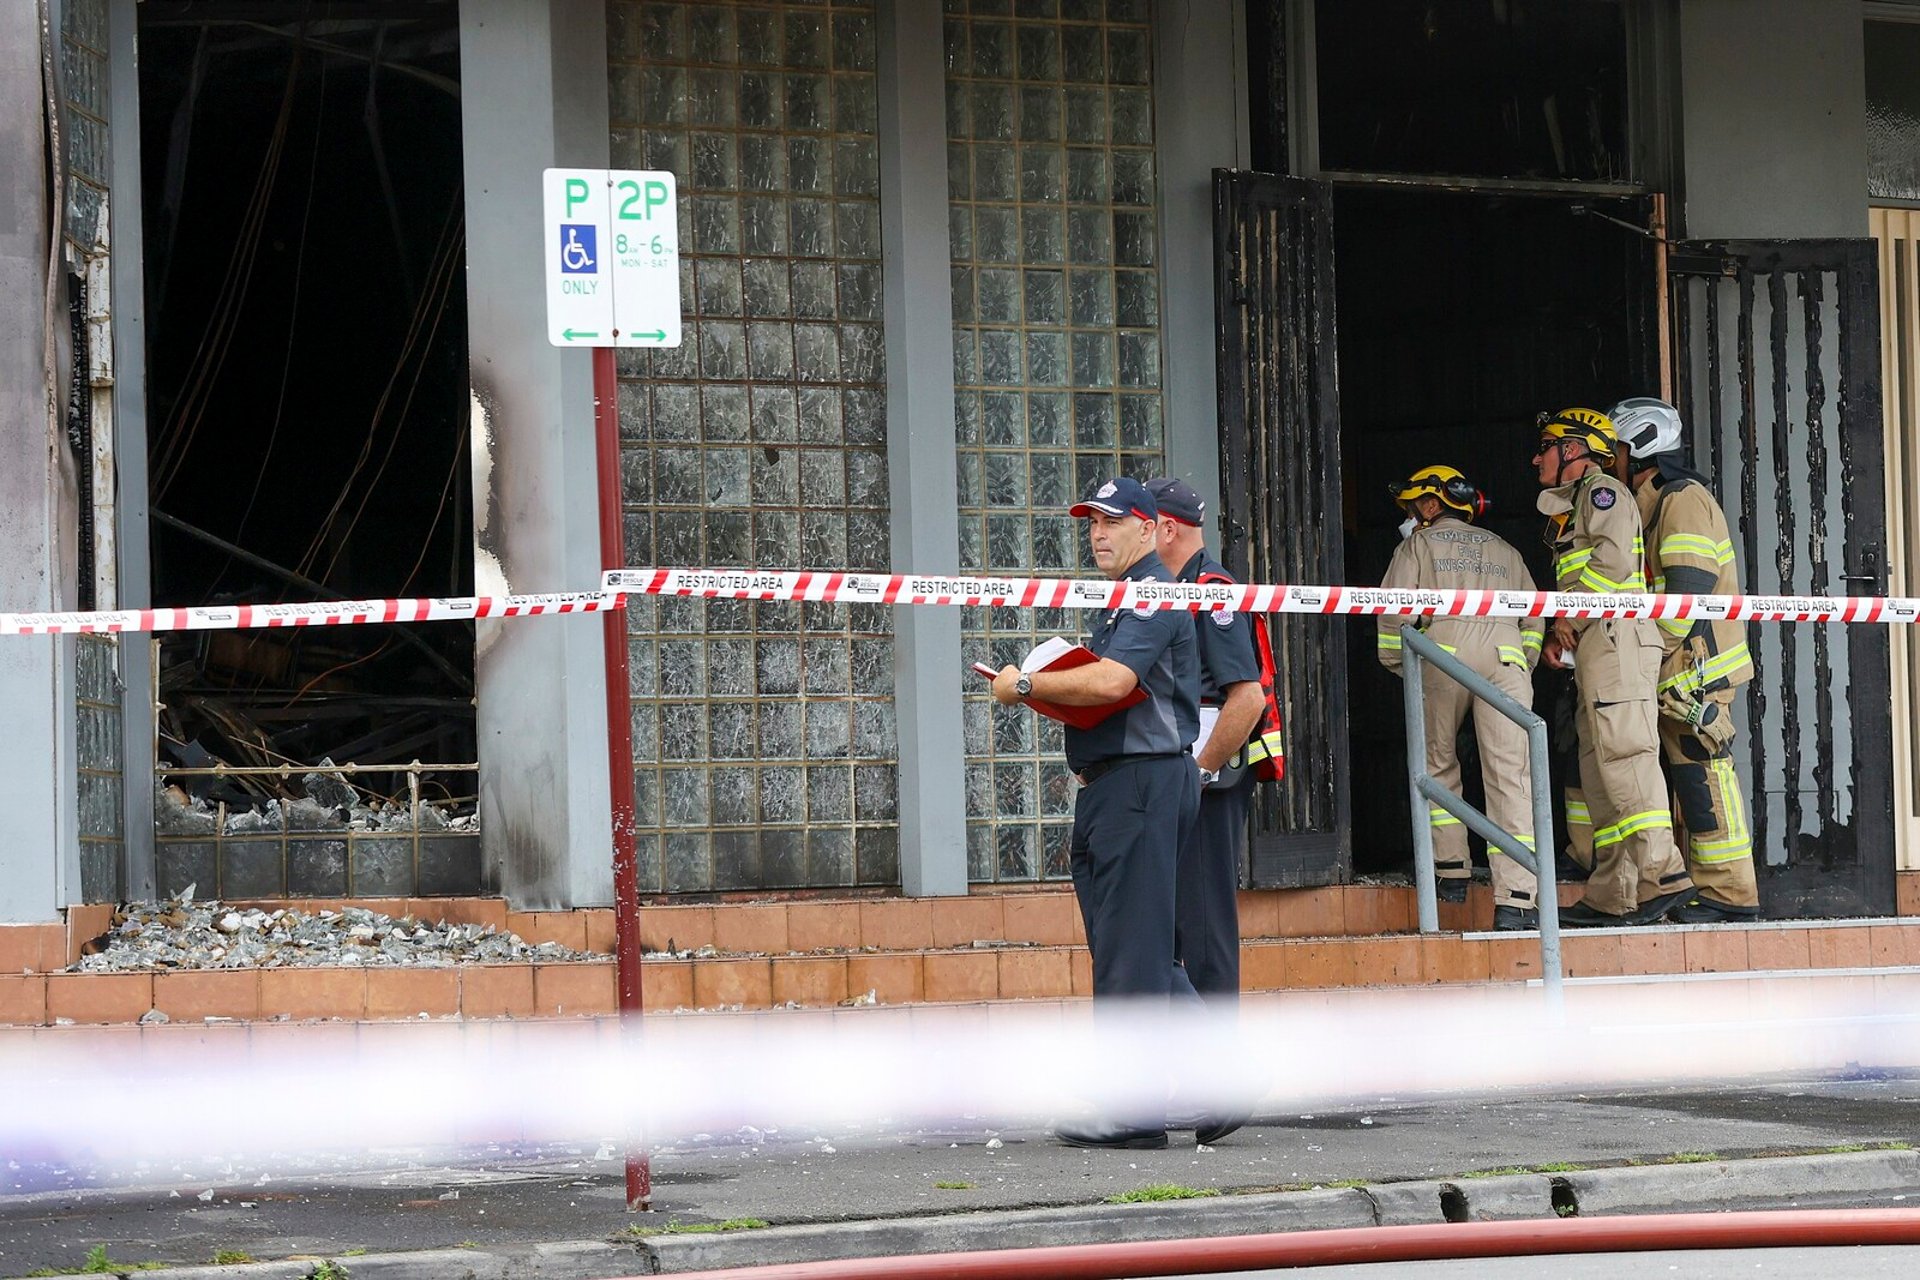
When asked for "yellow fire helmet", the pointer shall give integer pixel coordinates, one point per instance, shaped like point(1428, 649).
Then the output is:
point(1444, 483)
point(1590, 425)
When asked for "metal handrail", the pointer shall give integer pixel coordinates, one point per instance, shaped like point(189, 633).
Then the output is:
point(1416, 648)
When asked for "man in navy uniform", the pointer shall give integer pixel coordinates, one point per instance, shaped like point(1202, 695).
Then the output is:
point(1140, 790)
point(1207, 909)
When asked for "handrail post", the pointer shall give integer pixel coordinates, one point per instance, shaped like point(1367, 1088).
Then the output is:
point(1417, 650)
point(1546, 890)
point(1416, 704)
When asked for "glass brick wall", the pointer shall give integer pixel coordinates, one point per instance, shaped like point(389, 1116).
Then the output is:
point(764, 734)
point(1056, 307)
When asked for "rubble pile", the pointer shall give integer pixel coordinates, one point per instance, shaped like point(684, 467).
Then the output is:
point(185, 934)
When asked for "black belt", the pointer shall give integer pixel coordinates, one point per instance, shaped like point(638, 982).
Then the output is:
point(1101, 768)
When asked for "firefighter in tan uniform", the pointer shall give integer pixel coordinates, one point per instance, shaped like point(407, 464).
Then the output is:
point(1594, 534)
point(1690, 552)
point(1445, 551)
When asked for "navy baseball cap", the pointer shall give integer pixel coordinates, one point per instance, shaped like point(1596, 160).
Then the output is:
point(1121, 496)
point(1177, 500)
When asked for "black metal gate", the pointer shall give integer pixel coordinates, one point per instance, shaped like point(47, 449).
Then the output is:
point(1776, 349)
point(1281, 496)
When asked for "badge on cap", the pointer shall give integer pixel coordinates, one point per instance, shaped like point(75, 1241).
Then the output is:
point(1602, 497)
point(1107, 490)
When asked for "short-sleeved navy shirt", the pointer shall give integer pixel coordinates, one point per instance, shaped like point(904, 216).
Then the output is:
point(1227, 653)
point(1158, 646)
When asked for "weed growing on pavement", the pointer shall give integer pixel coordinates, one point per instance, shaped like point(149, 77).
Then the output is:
point(1162, 1191)
point(1894, 1146)
point(230, 1257)
point(327, 1269)
point(1558, 1166)
point(1344, 1184)
point(954, 1186)
point(98, 1263)
point(353, 1253)
point(1690, 1157)
point(695, 1228)
point(1504, 1172)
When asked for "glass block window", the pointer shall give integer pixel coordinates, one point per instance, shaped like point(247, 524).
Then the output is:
point(1056, 308)
point(764, 740)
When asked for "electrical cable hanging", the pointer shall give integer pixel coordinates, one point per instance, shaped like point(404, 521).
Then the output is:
point(223, 323)
point(433, 300)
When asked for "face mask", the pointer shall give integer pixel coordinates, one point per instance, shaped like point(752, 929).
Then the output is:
point(1407, 527)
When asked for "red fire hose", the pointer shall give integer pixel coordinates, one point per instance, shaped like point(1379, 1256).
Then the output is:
point(1427, 1242)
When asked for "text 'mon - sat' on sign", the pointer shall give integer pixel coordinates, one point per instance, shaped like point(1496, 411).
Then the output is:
point(613, 258)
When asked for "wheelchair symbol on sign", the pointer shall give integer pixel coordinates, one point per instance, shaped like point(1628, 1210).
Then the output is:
point(577, 248)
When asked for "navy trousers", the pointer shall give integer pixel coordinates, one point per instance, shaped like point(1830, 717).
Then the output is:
point(1128, 827)
point(1206, 930)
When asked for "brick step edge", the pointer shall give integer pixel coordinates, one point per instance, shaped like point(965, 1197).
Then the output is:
point(909, 977)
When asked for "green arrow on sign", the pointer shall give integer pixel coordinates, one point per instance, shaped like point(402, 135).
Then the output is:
point(572, 334)
point(658, 335)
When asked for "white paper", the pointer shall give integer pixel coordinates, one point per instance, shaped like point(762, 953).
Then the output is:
point(1045, 654)
point(1209, 716)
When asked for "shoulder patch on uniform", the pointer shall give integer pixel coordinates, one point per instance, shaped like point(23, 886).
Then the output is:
point(1602, 496)
point(1144, 610)
point(1222, 618)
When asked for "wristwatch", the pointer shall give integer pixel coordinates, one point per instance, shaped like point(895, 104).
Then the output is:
point(1024, 685)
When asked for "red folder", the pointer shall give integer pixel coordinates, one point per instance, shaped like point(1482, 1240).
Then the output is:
point(1049, 655)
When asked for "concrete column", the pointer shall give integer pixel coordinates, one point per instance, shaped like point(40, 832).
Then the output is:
point(40, 851)
point(920, 444)
point(132, 544)
point(1200, 119)
point(538, 76)
point(1773, 119)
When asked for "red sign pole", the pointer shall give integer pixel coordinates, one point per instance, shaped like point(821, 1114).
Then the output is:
point(626, 881)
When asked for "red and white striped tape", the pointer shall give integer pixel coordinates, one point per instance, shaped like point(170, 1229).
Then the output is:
point(1074, 593)
point(1044, 593)
point(326, 613)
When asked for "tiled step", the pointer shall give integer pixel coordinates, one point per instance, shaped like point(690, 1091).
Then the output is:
point(823, 953)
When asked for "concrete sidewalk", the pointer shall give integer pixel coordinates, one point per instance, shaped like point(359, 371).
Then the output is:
point(555, 1212)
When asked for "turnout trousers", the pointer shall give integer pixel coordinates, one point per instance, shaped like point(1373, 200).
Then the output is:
point(1634, 858)
point(1503, 763)
point(1711, 811)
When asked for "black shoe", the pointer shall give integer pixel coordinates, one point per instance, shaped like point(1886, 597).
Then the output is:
point(1582, 916)
point(1453, 889)
point(1214, 1128)
point(1654, 910)
point(1707, 911)
point(1117, 1137)
point(1515, 918)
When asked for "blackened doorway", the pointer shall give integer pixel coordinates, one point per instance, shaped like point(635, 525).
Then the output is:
point(308, 392)
point(1462, 314)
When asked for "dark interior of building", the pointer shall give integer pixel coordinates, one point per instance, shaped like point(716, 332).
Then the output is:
point(1461, 317)
point(307, 373)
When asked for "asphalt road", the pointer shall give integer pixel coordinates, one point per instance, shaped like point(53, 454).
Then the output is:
point(382, 1201)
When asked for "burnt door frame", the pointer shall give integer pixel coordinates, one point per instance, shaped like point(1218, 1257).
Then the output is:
point(1845, 868)
point(1281, 501)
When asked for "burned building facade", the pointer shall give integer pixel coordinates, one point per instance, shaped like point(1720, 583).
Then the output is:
point(273, 297)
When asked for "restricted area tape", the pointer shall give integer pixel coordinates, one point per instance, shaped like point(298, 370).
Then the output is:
point(327, 613)
point(1030, 593)
point(1075, 593)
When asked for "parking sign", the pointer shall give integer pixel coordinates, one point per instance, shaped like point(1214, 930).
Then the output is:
point(613, 258)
